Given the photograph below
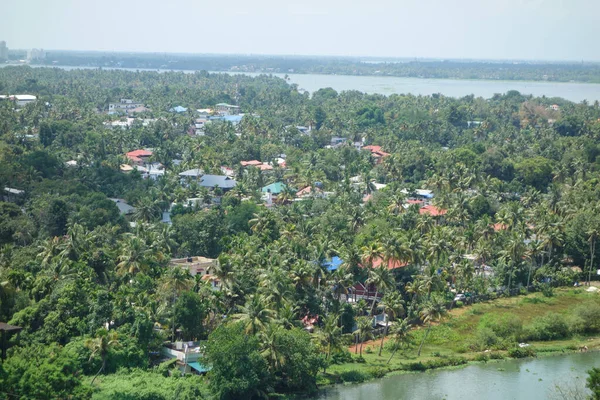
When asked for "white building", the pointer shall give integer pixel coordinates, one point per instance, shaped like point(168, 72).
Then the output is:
point(24, 99)
point(227, 109)
point(3, 51)
point(36, 54)
point(123, 106)
point(195, 265)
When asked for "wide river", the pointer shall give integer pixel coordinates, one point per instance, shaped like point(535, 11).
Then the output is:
point(449, 87)
point(506, 380)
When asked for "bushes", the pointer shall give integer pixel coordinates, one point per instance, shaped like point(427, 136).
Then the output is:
point(551, 326)
point(353, 376)
point(521, 352)
point(586, 318)
point(451, 361)
point(505, 326)
point(378, 372)
point(341, 357)
point(497, 331)
point(139, 384)
point(485, 338)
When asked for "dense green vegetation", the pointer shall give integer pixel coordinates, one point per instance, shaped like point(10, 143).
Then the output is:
point(447, 69)
point(96, 298)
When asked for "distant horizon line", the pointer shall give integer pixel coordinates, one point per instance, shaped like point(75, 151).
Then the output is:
point(354, 57)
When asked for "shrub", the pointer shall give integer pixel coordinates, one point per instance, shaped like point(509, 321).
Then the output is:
point(547, 290)
point(481, 357)
point(459, 304)
point(505, 326)
point(521, 352)
point(476, 310)
point(551, 326)
point(341, 357)
point(418, 366)
point(353, 376)
point(485, 338)
point(462, 348)
point(586, 318)
point(378, 372)
point(496, 356)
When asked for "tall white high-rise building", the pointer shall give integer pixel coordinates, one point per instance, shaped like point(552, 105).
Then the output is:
point(3, 51)
point(36, 54)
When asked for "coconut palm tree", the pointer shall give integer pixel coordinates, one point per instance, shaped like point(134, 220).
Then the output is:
point(100, 346)
point(401, 336)
point(592, 238)
point(254, 314)
point(133, 256)
point(383, 281)
point(364, 330)
point(146, 210)
point(271, 350)
point(392, 305)
point(433, 310)
point(331, 333)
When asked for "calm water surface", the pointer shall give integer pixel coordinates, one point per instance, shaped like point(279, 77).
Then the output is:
point(507, 380)
point(449, 87)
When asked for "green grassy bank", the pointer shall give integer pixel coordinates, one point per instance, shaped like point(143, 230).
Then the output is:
point(486, 331)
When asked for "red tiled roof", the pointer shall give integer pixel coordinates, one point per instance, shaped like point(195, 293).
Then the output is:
point(251, 162)
point(307, 191)
point(391, 265)
point(139, 153)
point(379, 154)
point(372, 148)
point(264, 167)
point(500, 227)
point(432, 210)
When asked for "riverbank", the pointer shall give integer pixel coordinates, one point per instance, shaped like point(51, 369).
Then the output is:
point(388, 85)
point(456, 341)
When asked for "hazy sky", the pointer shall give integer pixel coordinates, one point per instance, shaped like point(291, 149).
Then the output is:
point(497, 29)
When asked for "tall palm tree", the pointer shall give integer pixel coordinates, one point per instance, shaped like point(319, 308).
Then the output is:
point(254, 314)
point(146, 210)
point(401, 336)
point(392, 305)
point(101, 346)
point(175, 281)
point(133, 256)
point(434, 310)
point(270, 347)
point(364, 330)
point(383, 281)
point(593, 236)
point(331, 333)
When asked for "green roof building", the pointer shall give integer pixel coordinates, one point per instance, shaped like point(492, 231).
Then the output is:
point(274, 188)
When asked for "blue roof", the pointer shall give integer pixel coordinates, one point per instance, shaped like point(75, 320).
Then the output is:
point(274, 188)
point(333, 264)
point(199, 367)
point(224, 182)
point(178, 109)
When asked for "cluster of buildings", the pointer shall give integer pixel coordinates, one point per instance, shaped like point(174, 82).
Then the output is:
point(222, 112)
point(21, 100)
point(126, 106)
